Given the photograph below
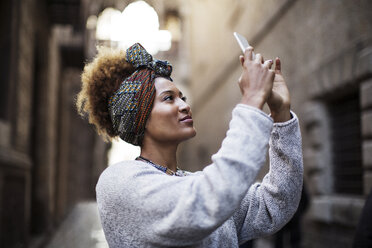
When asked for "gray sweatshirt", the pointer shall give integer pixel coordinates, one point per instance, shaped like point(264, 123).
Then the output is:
point(141, 206)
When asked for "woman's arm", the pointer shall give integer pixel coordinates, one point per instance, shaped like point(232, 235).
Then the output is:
point(270, 205)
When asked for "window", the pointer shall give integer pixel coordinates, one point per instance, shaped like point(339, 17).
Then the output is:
point(346, 144)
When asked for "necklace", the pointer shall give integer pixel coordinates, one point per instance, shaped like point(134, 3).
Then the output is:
point(160, 167)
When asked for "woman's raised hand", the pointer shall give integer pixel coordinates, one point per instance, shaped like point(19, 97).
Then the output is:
point(256, 80)
point(279, 100)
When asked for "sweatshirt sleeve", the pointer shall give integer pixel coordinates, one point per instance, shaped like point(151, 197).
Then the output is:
point(269, 205)
point(166, 210)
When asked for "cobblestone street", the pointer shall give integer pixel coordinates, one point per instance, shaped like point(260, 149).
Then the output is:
point(82, 228)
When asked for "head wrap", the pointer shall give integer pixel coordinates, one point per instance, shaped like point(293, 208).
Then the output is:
point(131, 104)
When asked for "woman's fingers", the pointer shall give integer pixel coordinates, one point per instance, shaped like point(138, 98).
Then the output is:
point(278, 65)
point(268, 63)
point(241, 59)
point(248, 53)
point(259, 58)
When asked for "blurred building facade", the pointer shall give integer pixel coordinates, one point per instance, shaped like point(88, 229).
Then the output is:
point(50, 158)
point(326, 53)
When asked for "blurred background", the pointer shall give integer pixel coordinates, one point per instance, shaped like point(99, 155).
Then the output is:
point(50, 158)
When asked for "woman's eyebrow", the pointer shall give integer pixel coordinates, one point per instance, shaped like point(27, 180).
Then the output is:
point(171, 92)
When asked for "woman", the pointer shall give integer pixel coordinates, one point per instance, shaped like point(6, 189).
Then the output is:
point(149, 202)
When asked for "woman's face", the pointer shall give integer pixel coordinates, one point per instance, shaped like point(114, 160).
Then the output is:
point(170, 118)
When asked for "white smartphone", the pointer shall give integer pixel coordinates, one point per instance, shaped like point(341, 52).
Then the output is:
point(243, 43)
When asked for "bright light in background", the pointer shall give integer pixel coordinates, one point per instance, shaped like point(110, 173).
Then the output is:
point(138, 22)
point(106, 24)
point(121, 150)
point(91, 22)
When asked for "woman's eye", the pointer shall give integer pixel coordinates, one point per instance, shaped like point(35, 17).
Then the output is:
point(184, 98)
point(168, 98)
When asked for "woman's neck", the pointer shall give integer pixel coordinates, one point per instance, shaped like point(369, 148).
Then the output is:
point(161, 154)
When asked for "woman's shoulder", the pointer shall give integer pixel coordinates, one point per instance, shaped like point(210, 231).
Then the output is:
point(123, 177)
point(125, 169)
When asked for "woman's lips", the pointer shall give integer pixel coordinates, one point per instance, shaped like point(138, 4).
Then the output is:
point(187, 119)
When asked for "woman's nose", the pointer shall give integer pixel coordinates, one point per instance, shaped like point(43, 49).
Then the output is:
point(184, 107)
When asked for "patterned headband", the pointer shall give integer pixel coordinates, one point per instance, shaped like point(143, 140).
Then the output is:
point(131, 104)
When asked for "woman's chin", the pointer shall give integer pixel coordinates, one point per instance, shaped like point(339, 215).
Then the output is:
point(192, 134)
point(187, 135)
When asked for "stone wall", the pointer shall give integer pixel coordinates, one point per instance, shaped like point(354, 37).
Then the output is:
point(325, 48)
point(43, 173)
point(15, 158)
point(366, 104)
